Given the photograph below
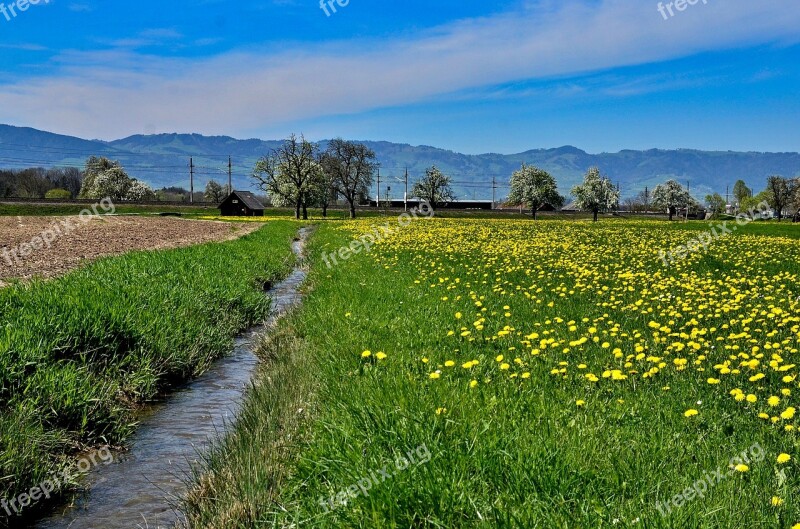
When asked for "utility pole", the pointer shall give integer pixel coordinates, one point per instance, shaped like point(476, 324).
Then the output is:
point(378, 195)
point(688, 190)
point(727, 190)
point(191, 180)
point(646, 199)
point(230, 175)
point(494, 187)
point(405, 196)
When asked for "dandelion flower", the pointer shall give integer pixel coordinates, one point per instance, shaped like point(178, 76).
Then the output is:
point(741, 467)
point(784, 458)
point(691, 413)
point(366, 354)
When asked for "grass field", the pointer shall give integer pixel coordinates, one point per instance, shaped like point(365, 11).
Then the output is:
point(80, 353)
point(548, 374)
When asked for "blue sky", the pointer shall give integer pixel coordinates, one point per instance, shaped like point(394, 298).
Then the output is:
point(474, 77)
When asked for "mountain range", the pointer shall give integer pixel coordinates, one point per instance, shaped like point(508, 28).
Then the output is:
point(162, 160)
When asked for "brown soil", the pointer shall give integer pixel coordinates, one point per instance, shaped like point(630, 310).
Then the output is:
point(73, 242)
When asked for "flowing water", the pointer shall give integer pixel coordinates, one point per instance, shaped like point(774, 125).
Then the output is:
point(143, 486)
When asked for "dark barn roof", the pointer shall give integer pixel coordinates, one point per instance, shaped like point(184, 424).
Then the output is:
point(249, 200)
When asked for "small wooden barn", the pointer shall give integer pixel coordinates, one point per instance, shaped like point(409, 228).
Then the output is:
point(241, 204)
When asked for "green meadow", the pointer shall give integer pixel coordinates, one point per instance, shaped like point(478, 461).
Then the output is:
point(505, 373)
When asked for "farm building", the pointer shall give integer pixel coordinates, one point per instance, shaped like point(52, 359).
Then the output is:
point(241, 204)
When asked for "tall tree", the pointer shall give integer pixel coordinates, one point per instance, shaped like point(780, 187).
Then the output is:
point(289, 174)
point(796, 194)
point(741, 192)
point(350, 167)
point(779, 194)
point(596, 194)
point(434, 188)
point(325, 188)
point(716, 204)
point(671, 196)
point(534, 188)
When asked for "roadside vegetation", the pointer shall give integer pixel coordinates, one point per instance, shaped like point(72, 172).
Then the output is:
point(558, 373)
point(79, 354)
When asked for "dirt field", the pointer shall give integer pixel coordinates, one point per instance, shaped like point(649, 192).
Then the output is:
point(49, 246)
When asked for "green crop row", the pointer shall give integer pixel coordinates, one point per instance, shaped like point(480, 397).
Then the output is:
point(80, 353)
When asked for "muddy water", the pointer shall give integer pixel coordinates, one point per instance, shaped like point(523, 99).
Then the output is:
point(142, 487)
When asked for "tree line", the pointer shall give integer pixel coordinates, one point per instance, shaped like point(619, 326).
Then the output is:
point(300, 175)
point(536, 189)
point(99, 178)
point(38, 182)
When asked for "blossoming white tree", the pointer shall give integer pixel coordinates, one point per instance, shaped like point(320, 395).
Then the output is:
point(597, 194)
point(534, 188)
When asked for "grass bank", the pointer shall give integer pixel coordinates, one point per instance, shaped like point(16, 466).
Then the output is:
point(557, 376)
point(78, 354)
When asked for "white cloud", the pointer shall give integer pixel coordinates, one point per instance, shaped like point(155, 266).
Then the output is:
point(112, 93)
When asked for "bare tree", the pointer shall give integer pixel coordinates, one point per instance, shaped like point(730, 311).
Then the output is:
point(351, 168)
point(31, 183)
point(289, 174)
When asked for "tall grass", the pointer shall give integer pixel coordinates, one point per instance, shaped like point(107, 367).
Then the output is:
point(79, 354)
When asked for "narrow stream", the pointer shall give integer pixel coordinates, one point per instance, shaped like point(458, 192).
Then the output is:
point(142, 487)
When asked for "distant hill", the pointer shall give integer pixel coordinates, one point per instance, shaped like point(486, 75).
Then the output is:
point(162, 160)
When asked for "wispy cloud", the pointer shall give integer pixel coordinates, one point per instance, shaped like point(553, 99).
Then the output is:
point(116, 92)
